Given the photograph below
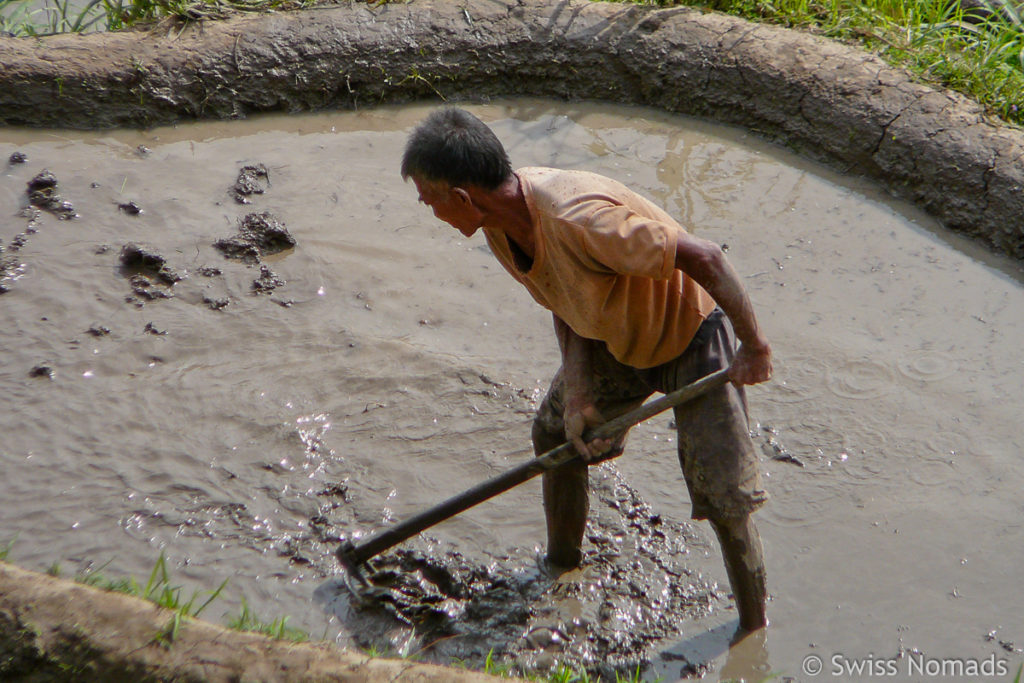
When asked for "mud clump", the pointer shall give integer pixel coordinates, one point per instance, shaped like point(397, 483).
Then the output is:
point(147, 272)
point(8, 266)
point(32, 214)
point(449, 596)
point(218, 303)
point(632, 593)
point(42, 193)
point(17, 158)
point(259, 234)
point(252, 179)
point(130, 208)
point(144, 288)
point(41, 370)
point(267, 282)
point(144, 260)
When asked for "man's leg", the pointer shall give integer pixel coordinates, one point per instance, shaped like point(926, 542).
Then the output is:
point(617, 389)
point(566, 501)
point(720, 465)
point(721, 474)
point(744, 563)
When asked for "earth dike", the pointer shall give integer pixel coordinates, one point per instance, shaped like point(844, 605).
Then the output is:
point(57, 630)
point(825, 100)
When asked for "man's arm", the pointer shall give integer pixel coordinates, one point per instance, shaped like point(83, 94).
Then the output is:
point(705, 262)
point(580, 412)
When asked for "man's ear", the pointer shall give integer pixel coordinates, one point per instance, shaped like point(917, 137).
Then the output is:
point(463, 195)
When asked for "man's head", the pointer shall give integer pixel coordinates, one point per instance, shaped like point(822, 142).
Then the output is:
point(455, 147)
point(454, 159)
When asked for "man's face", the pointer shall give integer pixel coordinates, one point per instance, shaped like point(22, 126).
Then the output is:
point(450, 204)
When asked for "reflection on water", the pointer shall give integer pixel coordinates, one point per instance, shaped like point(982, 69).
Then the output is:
point(245, 433)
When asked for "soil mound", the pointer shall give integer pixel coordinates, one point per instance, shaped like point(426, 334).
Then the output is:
point(56, 630)
point(259, 234)
point(828, 101)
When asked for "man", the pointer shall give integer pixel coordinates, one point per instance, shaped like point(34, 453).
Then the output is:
point(638, 307)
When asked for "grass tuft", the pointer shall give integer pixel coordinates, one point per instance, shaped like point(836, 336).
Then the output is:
point(278, 628)
point(978, 52)
point(22, 18)
point(5, 549)
point(158, 589)
point(161, 591)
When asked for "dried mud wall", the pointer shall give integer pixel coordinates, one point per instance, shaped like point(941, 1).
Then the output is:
point(57, 630)
point(822, 99)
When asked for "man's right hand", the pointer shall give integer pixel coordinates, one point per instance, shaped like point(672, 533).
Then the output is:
point(751, 365)
point(580, 416)
point(580, 413)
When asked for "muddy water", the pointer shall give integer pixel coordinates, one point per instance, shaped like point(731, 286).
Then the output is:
point(385, 363)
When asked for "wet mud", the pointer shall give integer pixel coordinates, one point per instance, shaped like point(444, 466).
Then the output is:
point(259, 235)
point(148, 273)
point(8, 268)
point(316, 389)
point(252, 179)
point(828, 101)
point(42, 194)
point(634, 589)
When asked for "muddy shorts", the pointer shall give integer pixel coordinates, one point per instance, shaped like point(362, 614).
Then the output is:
point(715, 450)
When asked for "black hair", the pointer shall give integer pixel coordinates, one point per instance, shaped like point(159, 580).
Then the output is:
point(453, 146)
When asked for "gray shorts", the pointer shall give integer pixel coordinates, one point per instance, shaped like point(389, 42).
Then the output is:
point(715, 451)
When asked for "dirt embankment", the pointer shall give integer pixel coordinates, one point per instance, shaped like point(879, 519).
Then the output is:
point(56, 630)
point(828, 101)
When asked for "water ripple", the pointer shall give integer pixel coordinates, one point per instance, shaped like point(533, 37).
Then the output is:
point(790, 506)
point(797, 378)
point(927, 366)
point(860, 380)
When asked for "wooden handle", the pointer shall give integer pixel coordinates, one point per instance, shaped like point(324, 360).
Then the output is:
point(351, 556)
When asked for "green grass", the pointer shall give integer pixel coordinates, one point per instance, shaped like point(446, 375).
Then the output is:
point(979, 53)
point(55, 16)
point(161, 591)
point(278, 628)
point(568, 674)
point(493, 667)
point(122, 14)
point(5, 549)
point(562, 673)
point(158, 590)
point(18, 18)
